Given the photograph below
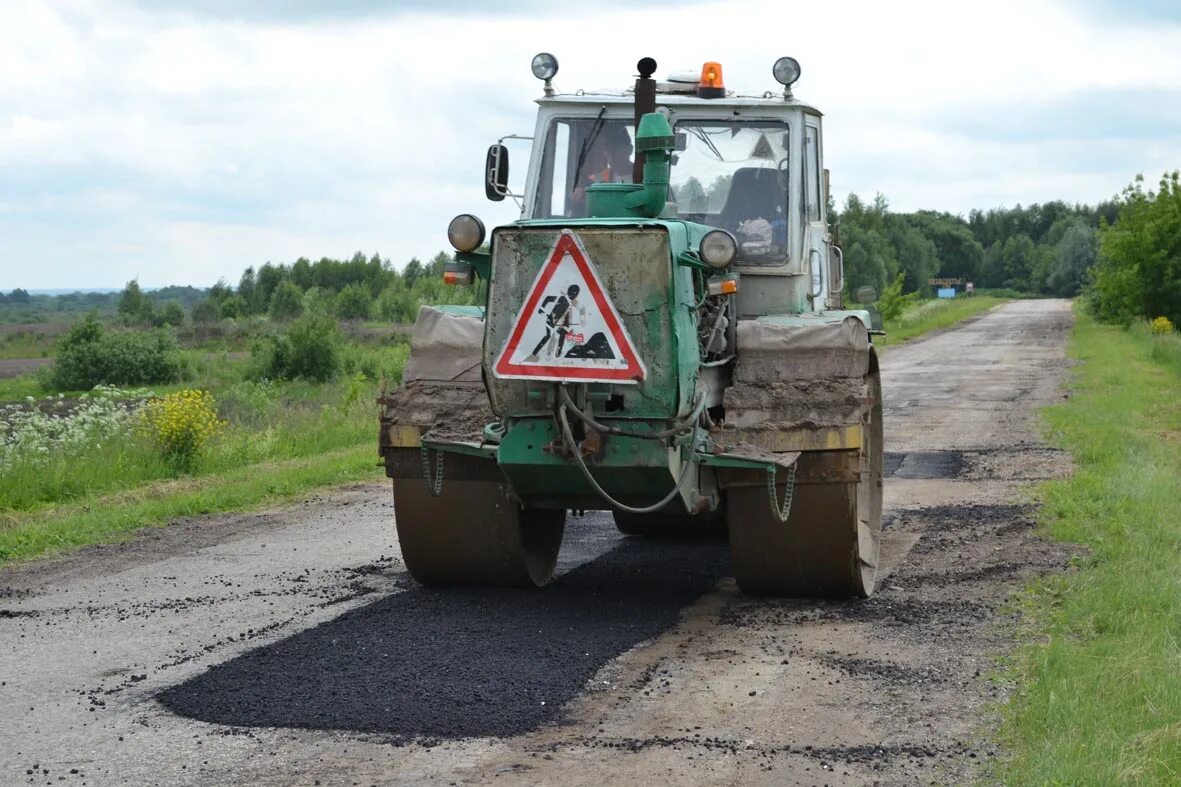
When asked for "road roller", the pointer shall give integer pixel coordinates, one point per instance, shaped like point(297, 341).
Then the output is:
point(661, 335)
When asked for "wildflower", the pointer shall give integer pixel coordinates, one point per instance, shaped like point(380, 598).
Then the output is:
point(181, 424)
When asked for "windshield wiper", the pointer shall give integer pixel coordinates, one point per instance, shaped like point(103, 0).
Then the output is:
point(586, 143)
point(703, 135)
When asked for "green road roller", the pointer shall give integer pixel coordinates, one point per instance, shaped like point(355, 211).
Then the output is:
point(662, 335)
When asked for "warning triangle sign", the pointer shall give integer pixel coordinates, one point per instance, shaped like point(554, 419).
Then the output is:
point(568, 330)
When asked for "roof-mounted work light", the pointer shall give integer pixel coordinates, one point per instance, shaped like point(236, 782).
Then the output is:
point(545, 66)
point(786, 71)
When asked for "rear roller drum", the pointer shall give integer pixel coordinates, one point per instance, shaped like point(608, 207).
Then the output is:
point(829, 544)
point(475, 534)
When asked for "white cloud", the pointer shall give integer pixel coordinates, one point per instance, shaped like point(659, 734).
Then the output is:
point(181, 147)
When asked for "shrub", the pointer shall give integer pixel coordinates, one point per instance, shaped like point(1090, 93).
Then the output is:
point(180, 424)
point(206, 312)
point(251, 404)
point(310, 350)
point(892, 302)
point(376, 363)
point(354, 303)
point(171, 313)
point(1161, 326)
point(286, 302)
point(1138, 272)
point(89, 355)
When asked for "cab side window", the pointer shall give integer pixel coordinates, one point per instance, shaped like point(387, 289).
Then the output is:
point(811, 174)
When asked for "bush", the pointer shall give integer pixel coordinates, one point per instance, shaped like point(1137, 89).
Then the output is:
point(354, 303)
point(180, 424)
point(1138, 273)
point(286, 302)
point(376, 363)
point(171, 313)
point(893, 302)
point(89, 356)
point(310, 350)
point(1161, 326)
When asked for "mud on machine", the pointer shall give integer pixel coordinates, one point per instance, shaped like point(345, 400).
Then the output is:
point(661, 337)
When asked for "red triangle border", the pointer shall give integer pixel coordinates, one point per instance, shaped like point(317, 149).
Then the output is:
point(633, 371)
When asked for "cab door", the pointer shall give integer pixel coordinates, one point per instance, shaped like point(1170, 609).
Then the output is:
point(816, 236)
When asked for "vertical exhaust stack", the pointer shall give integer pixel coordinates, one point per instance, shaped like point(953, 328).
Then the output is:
point(645, 103)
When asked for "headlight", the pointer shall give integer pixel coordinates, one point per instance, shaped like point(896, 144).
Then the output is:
point(786, 70)
point(544, 65)
point(718, 248)
point(465, 232)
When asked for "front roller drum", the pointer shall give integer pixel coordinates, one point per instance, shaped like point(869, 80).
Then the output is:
point(829, 544)
point(475, 534)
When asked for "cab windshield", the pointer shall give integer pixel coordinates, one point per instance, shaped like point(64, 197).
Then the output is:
point(734, 176)
point(728, 174)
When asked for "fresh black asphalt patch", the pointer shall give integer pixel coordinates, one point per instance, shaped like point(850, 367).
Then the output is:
point(457, 663)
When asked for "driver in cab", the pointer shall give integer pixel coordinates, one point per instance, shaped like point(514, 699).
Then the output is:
point(607, 161)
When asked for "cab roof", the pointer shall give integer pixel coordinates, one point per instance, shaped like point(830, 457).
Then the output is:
point(768, 100)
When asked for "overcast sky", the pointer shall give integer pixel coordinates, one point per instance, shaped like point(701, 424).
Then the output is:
point(179, 141)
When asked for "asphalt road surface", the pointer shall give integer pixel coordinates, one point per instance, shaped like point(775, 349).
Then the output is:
point(289, 647)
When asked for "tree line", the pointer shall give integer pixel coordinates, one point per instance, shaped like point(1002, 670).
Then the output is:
point(1042, 249)
point(360, 288)
point(1122, 255)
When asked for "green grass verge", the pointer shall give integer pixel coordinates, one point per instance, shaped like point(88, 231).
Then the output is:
point(932, 315)
point(106, 519)
point(1099, 697)
point(14, 389)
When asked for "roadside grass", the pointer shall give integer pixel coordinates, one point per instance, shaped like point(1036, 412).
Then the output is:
point(109, 518)
point(933, 314)
point(1099, 687)
point(14, 389)
point(69, 477)
point(265, 422)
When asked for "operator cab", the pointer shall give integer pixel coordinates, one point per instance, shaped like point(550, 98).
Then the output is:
point(747, 164)
point(729, 174)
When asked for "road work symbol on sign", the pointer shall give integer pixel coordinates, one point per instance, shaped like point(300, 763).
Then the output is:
point(568, 329)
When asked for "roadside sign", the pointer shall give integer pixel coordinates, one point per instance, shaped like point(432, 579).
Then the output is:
point(568, 329)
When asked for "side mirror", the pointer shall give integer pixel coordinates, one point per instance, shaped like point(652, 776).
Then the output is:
point(866, 294)
point(496, 173)
point(681, 140)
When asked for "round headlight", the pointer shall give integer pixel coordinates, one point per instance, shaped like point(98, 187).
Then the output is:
point(786, 70)
point(718, 248)
point(544, 66)
point(465, 232)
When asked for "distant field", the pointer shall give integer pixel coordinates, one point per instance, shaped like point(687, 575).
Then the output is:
point(14, 367)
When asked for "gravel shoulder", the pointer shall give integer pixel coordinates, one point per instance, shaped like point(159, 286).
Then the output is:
point(289, 647)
